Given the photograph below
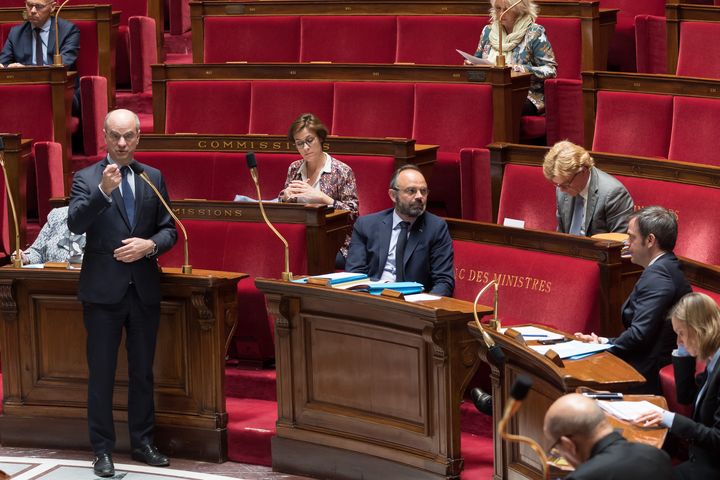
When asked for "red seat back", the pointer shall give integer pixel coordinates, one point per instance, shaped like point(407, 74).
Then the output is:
point(448, 32)
point(695, 130)
point(274, 105)
point(633, 123)
point(369, 109)
point(526, 195)
point(348, 38)
point(254, 39)
point(532, 287)
point(694, 206)
point(372, 176)
point(31, 107)
point(87, 61)
point(696, 37)
point(202, 107)
point(565, 36)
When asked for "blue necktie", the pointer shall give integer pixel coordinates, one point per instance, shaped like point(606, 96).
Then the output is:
point(39, 60)
point(128, 197)
point(400, 252)
point(576, 227)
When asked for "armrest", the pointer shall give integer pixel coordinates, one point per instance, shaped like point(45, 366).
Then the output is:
point(651, 44)
point(94, 107)
point(564, 110)
point(475, 188)
point(143, 52)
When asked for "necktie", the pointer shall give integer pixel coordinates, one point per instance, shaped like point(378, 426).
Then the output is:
point(127, 194)
point(576, 227)
point(38, 47)
point(400, 252)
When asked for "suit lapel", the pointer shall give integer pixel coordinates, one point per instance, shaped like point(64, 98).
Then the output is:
point(140, 192)
point(592, 199)
point(386, 229)
point(51, 44)
point(25, 53)
point(709, 389)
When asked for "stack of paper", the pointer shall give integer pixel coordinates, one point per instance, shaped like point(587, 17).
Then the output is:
point(535, 333)
point(336, 278)
point(571, 348)
point(628, 411)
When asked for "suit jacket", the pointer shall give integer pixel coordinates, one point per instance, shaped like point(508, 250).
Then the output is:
point(608, 205)
point(18, 47)
point(614, 458)
point(703, 430)
point(428, 252)
point(103, 279)
point(648, 339)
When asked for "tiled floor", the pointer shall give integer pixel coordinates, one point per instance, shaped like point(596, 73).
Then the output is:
point(36, 464)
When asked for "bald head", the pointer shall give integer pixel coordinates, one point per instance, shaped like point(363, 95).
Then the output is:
point(122, 129)
point(574, 415)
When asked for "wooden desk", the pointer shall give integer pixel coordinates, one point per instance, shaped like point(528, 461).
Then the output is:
point(45, 369)
point(18, 155)
point(368, 383)
point(603, 371)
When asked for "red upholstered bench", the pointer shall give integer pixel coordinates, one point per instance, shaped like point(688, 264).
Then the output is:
point(694, 136)
point(254, 39)
point(208, 107)
point(274, 105)
point(694, 37)
point(373, 109)
point(448, 32)
point(526, 195)
point(348, 38)
point(248, 247)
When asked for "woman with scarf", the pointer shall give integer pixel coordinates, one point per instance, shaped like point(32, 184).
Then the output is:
point(525, 46)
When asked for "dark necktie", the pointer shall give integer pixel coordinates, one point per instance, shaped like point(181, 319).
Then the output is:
point(128, 197)
point(38, 47)
point(576, 227)
point(400, 252)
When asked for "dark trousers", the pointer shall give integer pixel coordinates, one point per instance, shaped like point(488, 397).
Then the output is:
point(104, 325)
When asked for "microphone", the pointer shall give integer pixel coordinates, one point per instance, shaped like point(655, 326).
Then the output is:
point(140, 172)
point(252, 165)
point(518, 392)
point(500, 60)
point(495, 353)
point(17, 261)
point(57, 58)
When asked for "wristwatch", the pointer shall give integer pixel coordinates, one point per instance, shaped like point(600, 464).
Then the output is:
point(154, 250)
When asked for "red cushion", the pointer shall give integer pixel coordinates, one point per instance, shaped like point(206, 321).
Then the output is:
point(178, 12)
point(532, 287)
point(526, 195)
point(369, 109)
point(633, 123)
point(445, 185)
point(372, 191)
point(143, 52)
point(31, 107)
point(449, 32)
point(253, 39)
point(475, 192)
point(697, 237)
point(694, 130)
point(651, 44)
point(203, 107)
point(87, 61)
point(565, 35)
point(564, 111)
point(348, 38)
point(94, 105)
point(532, 127)
point(667, 385)
point(122, 57)
point(49, 168)
point(274, 105)
point(694, 38)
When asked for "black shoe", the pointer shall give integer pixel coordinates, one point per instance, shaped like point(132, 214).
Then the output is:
point(482, 401)
point(149, 454)
point(103, 465)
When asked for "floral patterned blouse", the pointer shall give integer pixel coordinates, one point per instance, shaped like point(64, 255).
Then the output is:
point(56, 243)
point(534, 54)
point(338, 183)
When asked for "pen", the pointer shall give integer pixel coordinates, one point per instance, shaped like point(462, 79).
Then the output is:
point(533, 335)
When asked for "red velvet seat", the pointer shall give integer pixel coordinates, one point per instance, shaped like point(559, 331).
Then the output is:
point(348, 38)
point(633, 123)
point(696, 37)
point(695, 130)
point(475, 194)
point(694, 206)
point(203, 107)
point(254, 39)
point(526, 195)
point(449, 32)
point(532, 287)
point(453, 116)
point(372, 175)
point(651, 44)
point(274, 105)
point(373, 109)
point(622, 46)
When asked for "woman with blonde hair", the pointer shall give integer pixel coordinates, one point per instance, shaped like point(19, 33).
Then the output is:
point(696, 320)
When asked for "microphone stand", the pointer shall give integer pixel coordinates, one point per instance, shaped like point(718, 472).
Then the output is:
point(138, 169)
point(17, 261)
point(494, 351)
point(57, 58)
point(252, 165)
point(500, 60)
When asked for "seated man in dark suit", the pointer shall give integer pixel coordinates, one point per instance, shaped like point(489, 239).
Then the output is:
point(589, 201)
point(33, 42)
point(421, 239)
point(648, 339)
point(581, 433)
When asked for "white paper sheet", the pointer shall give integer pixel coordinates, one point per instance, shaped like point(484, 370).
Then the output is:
point(571, 348)
point(628, 411)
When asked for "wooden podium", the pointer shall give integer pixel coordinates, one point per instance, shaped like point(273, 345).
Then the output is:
point(368, 386)
point(602, 371)
point(45, 369)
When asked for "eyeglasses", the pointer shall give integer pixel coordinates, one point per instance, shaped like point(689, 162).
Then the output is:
point(301, 143)
point(37, 6)
point(412, 191)
point(115, 136)
point(569, 182)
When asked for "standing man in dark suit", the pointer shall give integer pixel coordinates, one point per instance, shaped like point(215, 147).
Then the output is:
point(589, 201)
point(33, 42)
point(648, 339)
point(126, 227)
point(581, 433)
point(420, 239)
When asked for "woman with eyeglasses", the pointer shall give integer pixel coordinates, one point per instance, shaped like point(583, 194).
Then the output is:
point(318, 177)
point(696, 320)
